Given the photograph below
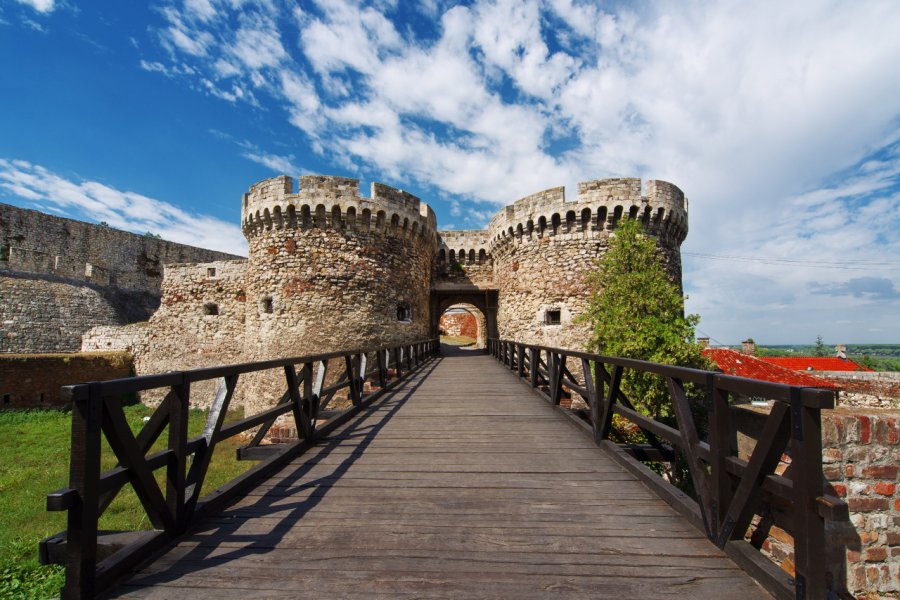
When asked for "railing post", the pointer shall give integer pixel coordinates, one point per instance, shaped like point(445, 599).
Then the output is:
point(806, 470)
point(352, 379)
point(719, 450)
point(84, 475)
point(520, 360)
point(382, 357)
point(533, 365)
point(176, 470)
point(591, 382)
point(555, 380)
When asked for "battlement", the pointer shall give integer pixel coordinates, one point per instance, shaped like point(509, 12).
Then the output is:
point(333, 202)
point(465, 246)
point(600, 205)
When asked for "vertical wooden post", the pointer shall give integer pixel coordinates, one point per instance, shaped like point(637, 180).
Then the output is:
point(555, 376)
point(383, 358)
point(719, 450)
point(398, 359)
point(533, 365)
point(353, 384)
point(589, 369)
point(84, 476)
point(606, 411)
point(806, 468)
point(176, 470)
point(306, 425)
point(520, 360)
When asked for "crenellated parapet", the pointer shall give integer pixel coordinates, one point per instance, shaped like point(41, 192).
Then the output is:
point(601, 204)
point(334, 203)
point(464, 247)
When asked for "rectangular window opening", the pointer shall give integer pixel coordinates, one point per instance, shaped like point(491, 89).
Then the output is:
point(553, 317)
point(211, 272)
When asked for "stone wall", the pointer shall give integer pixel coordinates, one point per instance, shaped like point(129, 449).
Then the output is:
point(200, 323)
point(464, 259)
point(60, 277)
point(107, 338)
point(46, 313)
point(34, 380)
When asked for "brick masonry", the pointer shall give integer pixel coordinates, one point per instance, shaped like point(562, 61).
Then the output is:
point(861, 456)
point(459, 324)
point(34, 381)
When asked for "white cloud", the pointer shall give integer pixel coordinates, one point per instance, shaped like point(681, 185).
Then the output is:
point(277, 163)
point(123, 210)
point(42, 6)
point(778, 120)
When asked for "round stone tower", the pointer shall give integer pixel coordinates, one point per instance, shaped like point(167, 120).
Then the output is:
point(330, 270)
point(544, 246)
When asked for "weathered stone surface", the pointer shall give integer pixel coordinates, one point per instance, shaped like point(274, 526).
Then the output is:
point(329, 269)
point(60, 277)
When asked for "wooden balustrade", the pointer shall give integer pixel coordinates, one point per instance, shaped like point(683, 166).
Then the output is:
point(729, 491)
point(172, 508)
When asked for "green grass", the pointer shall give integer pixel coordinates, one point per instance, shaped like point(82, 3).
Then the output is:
point(34, 460)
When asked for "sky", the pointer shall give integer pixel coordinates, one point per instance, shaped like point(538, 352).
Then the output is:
point(779, 120)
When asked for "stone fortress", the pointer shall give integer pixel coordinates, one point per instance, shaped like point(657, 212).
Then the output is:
point(330, 269)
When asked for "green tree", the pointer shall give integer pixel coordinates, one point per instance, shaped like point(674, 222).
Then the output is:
point(820, 347)
point(638, 312)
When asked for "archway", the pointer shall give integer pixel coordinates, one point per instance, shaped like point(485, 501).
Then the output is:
point(482, 302)
point(463, 324)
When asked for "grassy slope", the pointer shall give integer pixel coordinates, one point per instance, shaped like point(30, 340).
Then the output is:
point(34, 460)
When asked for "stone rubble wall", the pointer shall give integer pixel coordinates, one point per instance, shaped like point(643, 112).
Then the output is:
point(47, 313)
point(108, 338)
point(334, 289)
point(463, 258)
point(546, 275)
point(42, 243)
point(61, 277)
point(182, 335)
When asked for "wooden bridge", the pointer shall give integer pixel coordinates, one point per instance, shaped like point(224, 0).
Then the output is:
point(453, 478)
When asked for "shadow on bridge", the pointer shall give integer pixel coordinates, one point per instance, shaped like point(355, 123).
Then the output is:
point(219, 540)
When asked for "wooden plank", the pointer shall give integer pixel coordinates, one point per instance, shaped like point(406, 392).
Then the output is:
point(449, 487)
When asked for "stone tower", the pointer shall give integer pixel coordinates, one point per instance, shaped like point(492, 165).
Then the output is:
point(330, 270)
point(543, 247)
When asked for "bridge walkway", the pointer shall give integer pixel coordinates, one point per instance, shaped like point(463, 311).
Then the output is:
point(461, 483)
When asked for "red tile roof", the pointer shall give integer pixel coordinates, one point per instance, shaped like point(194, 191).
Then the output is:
point(814, 363)
point(733, 362)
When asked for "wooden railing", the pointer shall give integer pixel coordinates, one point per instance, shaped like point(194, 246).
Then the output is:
point(729, 491)
point(171, 509)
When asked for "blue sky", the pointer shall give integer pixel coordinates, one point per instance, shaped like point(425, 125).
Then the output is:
point(780, 121)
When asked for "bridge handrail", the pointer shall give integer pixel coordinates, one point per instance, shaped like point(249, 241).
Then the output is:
point(97, 412)
point(729, 490)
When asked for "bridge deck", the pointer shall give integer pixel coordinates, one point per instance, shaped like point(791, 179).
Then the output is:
point(460, 484)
